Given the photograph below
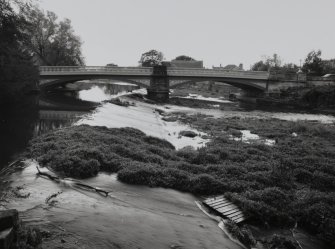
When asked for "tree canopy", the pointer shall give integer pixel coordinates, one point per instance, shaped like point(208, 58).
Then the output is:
point(151, 58)
point(17, 72)
point(53, 42)
point(313, 63)
point(267, 63)
point(184, 58)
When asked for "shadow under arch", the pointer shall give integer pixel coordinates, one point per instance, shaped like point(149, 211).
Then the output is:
point(247, 86)
point(61, 82)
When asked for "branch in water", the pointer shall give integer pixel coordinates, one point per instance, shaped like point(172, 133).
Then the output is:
point(76, 183)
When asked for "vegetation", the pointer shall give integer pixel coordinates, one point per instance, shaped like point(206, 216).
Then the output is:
point(267, 63)
point(29, 38)
point(243, 234)
point(184, 58)
point(320, 97)
point(53, 43)
point(293, 181)
point(151, 58)
point(313, 65)
point(17, 73)
point(281, 242)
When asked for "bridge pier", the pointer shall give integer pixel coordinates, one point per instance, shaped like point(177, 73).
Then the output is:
point(159, 84)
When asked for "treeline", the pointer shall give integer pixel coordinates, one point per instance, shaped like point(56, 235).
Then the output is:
point(30, 37)
point(313, 64)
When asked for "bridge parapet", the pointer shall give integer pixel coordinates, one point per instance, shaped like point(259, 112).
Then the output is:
point(82, 70)
point(189, 72)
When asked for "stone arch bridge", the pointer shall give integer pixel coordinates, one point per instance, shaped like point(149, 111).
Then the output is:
point(159, 79)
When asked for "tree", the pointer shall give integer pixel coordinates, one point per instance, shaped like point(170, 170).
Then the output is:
point(267, 63)
point(313, 63)
point(184, 58)
point(17, 72)
point(53, 43)
point(151, 58)
point(260, 66)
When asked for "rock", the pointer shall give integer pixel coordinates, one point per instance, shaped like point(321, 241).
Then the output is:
point(8, 218)
point(6, 238)
point(188, 134)
point(235, 133)
point(161, 112)
point(170, 119)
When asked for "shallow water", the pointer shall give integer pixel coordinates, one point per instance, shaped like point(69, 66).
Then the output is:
point(146, 118)
point(248, 137)
point(211, 99)
point(130, 217)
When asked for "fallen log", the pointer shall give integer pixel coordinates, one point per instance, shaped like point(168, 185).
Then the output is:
point(75, 183)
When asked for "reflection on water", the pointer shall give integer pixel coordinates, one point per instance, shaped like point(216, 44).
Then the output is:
point(49, 111)
point(64, 107)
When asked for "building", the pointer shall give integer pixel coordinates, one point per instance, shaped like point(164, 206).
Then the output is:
point(184, 64)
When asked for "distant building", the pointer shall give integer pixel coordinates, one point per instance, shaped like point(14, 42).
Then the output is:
point(184, 64)
point(111, 65)
point(230, 67)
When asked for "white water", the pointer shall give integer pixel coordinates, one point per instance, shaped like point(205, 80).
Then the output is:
point(200, 97)
point(143, 117)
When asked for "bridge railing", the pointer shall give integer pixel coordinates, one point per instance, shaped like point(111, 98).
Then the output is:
point(218, 73)
point(92, 69)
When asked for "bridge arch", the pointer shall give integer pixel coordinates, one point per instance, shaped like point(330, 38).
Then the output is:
point(247, 86)
point(53, 83)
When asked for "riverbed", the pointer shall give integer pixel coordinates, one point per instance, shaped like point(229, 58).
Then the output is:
point(131, 216)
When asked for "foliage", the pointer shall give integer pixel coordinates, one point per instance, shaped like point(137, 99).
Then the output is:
point(323, 96)
point(17, 72)
point(313, 63)
point(184, 58)
point(281, 242)
point(260, 66)
point(267, 63)
point(243, 234)
point(53, 43)
point(151, 58)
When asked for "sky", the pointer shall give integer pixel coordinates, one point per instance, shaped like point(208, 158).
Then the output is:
point(215, 31)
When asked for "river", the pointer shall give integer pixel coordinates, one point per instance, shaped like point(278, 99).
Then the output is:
point(131, 216)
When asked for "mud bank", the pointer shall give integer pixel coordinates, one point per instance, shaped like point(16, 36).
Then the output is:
point(130, 217)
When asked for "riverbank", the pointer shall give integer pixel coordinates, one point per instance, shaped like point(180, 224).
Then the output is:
point(320, 99)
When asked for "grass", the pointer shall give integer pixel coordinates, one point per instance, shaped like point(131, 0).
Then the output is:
point(293, 181)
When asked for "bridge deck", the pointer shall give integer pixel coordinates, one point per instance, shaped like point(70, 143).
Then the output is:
point(147, 71)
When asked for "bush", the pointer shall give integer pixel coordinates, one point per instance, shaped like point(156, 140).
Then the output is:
point(281, 242)
point(243, 234)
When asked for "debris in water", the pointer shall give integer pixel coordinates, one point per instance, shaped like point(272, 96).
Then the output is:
point(75, 183)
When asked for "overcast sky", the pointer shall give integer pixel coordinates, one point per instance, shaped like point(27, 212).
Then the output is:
point(215, 31)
